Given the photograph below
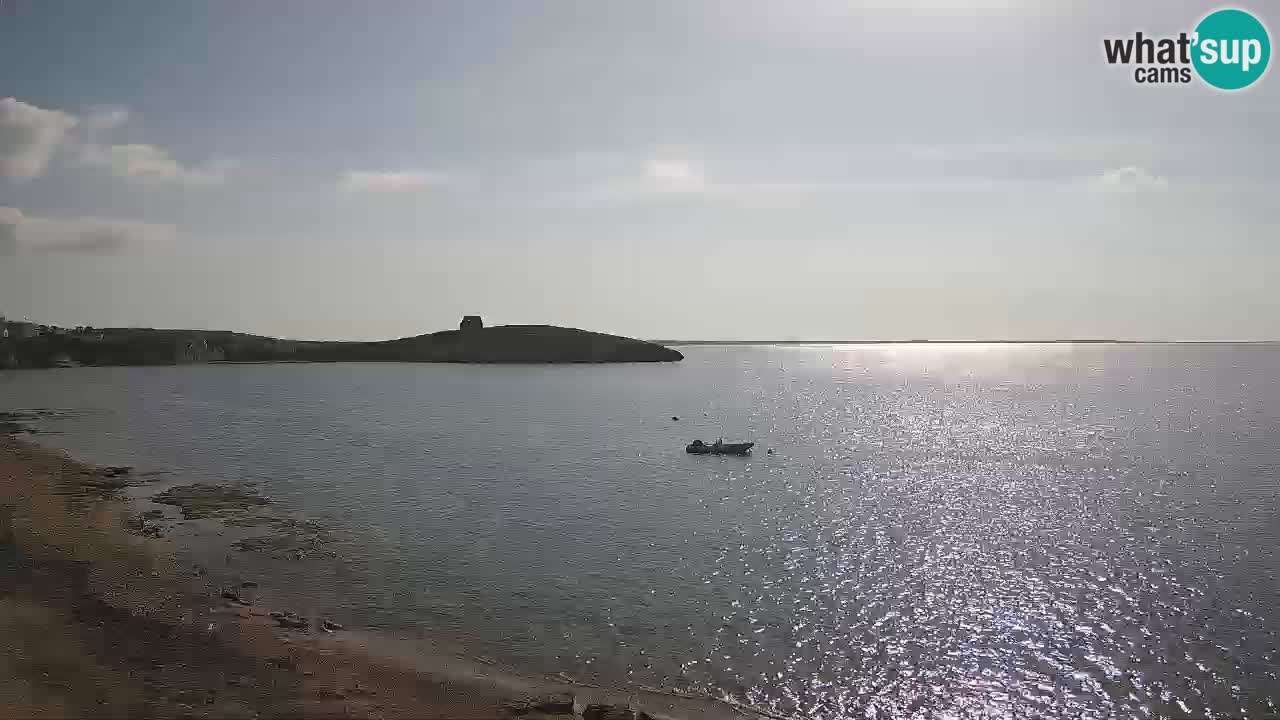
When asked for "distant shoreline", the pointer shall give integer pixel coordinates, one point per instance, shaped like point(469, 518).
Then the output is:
point(29, 346)
point(966, 342)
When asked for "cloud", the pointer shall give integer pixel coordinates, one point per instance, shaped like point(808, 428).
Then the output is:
point(89, 235)
point(1129, 180)
point(151, 164)
point(28, 137)
point(104, 120)
point(390, 181)
point(140, 162)
point(675, 174)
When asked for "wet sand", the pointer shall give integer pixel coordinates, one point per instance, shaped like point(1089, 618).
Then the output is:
point(99, 621)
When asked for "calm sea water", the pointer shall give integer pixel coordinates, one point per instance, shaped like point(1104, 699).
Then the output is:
point(957, 531)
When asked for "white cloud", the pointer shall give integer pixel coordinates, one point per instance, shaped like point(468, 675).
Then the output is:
point(104, 120)
point(390, 181)
point(1129, 180)
point(675, 174)
point(151, 164)
point(95, 235)
point(28, 137)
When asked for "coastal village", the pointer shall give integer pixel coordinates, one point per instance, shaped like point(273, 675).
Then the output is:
point(27, 344)
point(19, 330)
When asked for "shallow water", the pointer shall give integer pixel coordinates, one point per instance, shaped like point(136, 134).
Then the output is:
point(964, 530)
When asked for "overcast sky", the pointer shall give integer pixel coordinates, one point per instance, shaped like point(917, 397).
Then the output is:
point(784, 169)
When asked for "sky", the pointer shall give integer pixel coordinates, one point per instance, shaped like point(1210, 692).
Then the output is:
point(824, 169)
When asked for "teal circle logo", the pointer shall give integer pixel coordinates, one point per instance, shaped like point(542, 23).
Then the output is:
point(1231, 49)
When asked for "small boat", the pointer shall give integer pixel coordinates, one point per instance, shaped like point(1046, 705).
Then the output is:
point(719, 447)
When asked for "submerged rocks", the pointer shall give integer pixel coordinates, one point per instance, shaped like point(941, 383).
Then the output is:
point(18, 421)
point(329, 626)
point(608, 712)
point(290, 539)
point(553, 704)
point(290, 620)
point(210, 501)
point(97, 481)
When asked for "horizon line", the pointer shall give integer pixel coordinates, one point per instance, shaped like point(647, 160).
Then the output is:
point(1055, 341)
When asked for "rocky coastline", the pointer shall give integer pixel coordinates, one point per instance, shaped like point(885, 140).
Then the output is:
point(102, 622)
point(45, 347)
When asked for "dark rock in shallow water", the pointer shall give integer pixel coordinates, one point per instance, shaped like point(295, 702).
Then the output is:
point(290, 539)
point(208, 501)
point(608, 712)
point(329, 626)
point(100, 482)
point(291, 621)
point(556, 703)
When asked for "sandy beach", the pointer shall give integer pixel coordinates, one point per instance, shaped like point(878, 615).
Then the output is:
point(99, 621)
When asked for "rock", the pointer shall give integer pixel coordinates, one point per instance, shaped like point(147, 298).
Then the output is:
point(769, 451)
point(561, 703)
point(231, 595)
point(248, 584)
point(212, 501)
point(329, 626)
point(292, 622)
point(608, 712)
point(105, 482)
point(517, 707)
point(673, 417)
point(114, 470)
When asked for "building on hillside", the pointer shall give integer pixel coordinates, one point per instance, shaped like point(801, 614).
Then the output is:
point(19, 330)
point(471, 322)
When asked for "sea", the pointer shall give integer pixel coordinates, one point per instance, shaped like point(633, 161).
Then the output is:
point(922, 530)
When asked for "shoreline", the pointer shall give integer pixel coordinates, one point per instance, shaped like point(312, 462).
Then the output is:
point(102, 622)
